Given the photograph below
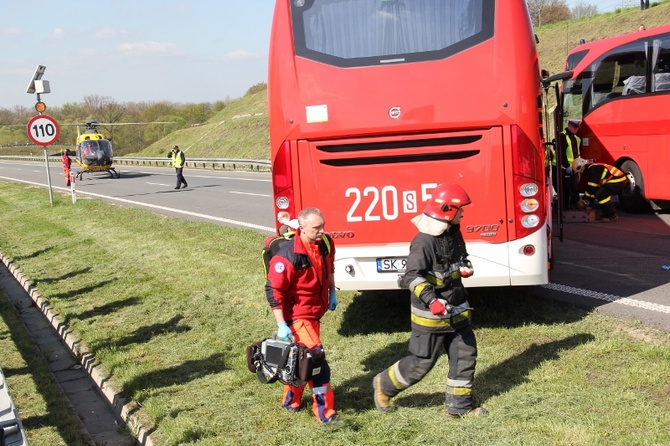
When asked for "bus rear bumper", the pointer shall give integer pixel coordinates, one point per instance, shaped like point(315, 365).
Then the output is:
point(356, 268)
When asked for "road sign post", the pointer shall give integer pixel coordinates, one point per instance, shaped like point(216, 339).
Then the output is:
point(43, 130)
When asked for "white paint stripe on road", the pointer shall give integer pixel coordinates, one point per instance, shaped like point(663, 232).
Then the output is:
point(154, 206)
point(248, 193)
point(609, 298)
point(191, 173)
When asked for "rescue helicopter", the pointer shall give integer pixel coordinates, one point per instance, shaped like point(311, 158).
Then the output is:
point(94, 152)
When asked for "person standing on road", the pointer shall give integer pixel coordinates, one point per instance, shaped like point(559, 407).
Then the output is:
point(178, 161)
point(571, 148)
point(604, 181)
point(441, 313)
point(67, 164)
point(300, 288)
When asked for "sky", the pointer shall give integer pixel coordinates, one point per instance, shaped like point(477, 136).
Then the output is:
point(182, 51)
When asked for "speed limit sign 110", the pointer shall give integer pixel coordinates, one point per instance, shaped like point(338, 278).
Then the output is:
point(43, 130)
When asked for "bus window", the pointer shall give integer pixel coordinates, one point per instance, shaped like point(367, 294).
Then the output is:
point(661, 58)
point(619, 73)
point(572, 100)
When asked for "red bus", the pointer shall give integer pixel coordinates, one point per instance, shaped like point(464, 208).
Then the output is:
point(620, 88)
point(373, 103)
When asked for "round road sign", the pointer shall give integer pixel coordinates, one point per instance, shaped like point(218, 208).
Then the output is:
point(43, 130)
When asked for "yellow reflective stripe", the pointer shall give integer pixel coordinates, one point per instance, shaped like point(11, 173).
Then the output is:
point(440, 323)
point(394, 379)
point(459, 391)
point(617, 180)
point(419, 288)
point(605, 200)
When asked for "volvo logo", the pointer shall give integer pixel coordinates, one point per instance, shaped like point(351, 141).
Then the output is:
point(342, 234)
point(394, 112)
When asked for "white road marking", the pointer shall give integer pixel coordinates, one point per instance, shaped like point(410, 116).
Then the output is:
point(248, 193)
point(609, 298)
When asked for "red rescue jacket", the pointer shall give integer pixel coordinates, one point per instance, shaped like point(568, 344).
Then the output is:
point(293, 283)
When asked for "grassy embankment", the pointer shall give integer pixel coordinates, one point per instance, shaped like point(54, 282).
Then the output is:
point(168, 306)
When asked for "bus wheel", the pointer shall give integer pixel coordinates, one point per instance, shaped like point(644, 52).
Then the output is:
point(632, 198)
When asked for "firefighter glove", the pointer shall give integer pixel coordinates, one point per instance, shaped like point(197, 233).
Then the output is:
point(283, 332)
point(438, 308)
point(465, 268)
point(332, 300)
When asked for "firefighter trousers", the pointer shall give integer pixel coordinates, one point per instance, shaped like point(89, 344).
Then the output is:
point(425, 349)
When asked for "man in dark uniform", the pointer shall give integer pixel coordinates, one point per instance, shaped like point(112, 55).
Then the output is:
point(178, 161)
point(571, 147)
point(440, 311)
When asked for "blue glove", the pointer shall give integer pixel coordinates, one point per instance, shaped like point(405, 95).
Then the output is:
point(332, 300)
point(283, 332)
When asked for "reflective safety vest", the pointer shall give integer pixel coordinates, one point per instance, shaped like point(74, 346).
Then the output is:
point(178, 159)
point(574, 142)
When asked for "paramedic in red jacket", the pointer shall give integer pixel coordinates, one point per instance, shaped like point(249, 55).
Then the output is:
point(300, 289)
point(67, 164)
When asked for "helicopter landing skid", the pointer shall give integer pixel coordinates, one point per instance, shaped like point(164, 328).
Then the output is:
point(111, 171)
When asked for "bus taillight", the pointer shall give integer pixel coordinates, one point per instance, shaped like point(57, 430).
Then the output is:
point(282, 184)
point(529, 206)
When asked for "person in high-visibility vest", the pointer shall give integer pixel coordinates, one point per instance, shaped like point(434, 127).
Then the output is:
point(604, 181)
point(178, 161)
point(570, 146)
point(67, 163)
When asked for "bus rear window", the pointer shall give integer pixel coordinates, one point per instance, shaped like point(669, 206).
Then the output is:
point(351, 33)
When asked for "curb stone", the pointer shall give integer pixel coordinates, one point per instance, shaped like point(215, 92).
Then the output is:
point(125, 409)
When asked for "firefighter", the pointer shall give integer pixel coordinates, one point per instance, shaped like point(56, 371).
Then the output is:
point(441, 314)
point(604, 181)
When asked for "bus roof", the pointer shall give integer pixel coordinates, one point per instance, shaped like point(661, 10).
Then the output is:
point(588, 52)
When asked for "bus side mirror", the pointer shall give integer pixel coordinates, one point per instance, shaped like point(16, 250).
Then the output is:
point(556, 77)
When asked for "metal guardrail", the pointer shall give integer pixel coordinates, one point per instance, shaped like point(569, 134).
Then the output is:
point(196, 163)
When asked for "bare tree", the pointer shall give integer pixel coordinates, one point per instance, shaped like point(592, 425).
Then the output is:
point(543, 12)
point(582, 10)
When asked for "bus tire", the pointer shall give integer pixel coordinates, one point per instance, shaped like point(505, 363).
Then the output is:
point(632, 198)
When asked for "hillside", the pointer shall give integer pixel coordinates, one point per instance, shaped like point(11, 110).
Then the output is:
point(238, 131)
point(241, 129)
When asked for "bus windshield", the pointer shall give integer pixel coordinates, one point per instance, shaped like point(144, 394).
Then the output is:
point(370, 32)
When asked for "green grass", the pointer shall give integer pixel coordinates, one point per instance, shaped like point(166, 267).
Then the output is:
point(169, 306)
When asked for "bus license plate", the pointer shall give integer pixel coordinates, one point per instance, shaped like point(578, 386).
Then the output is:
point(391, 265)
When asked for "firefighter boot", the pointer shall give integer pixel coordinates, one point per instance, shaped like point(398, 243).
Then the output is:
point(382, 401)
point(291, 398)
point(476, 412)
